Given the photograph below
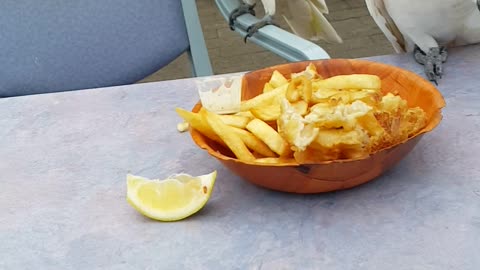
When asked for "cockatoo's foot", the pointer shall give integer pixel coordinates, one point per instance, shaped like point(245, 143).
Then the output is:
point(242, 9)
point(433, 61)
point(252, 29)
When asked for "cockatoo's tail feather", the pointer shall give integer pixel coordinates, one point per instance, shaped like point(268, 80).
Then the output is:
point(322, 6)
point(308, 22)
point(322, 27)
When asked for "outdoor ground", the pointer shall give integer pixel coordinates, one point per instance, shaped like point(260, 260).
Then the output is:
point(228, 52)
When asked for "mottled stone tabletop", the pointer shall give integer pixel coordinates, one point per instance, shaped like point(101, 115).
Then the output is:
point(64, 158)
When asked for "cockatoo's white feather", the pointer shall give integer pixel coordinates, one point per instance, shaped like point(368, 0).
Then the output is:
point(269, 6)
point(471, 31)
point(386, 24)
point(426, 23)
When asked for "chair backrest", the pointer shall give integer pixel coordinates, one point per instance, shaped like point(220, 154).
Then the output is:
point(55, 45)
point(284, 44)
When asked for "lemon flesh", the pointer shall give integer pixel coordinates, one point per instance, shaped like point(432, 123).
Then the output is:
point(175, 198)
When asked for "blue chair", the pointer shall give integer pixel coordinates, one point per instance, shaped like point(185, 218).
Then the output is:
point(52, 46)
point(284, 44)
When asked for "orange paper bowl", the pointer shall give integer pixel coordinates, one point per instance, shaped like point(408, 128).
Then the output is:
point(338, 174)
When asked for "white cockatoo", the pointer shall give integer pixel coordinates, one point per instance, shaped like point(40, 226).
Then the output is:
point(307, 19)
point(427, 28)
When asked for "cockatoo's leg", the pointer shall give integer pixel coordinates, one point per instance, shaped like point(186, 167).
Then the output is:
point(252, 29)
point(242, 9)
point(432, 60)
point(428, 52)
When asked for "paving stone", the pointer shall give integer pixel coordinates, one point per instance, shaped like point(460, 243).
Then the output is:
point(210, 34)
point(334, 5)
point(355, 3)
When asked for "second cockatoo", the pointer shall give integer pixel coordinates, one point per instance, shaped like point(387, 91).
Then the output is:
point(427, 28)
point(307, 19)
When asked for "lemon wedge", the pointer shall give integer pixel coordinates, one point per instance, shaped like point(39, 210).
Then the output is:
point(175, 198)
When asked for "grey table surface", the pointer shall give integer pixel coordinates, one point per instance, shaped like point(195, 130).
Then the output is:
point(64, 158)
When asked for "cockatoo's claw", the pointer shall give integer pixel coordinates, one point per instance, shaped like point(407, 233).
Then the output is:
point(252, 29)
point(430, 72)
point(419, 55)
point(242, 9)
point(443, 53)
point(433, 61)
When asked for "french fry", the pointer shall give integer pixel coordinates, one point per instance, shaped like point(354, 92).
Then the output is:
point(182, 127)
point(371, 125)
point(268, 87)
point(254, 143)
point(235, 120)
point(330, 138)
point(228, 135)
point(310, 73)
point(266, 113)
point(277, 79)
point(269, 136)
point(299, 88)
point(264, 99)
point(301, 107)
point(323, 95)
point(347, 96)
point(275, 160)
point(195, 120)
point(355, 81)
point(245, 114)
point(369, 97)
point(311, 68)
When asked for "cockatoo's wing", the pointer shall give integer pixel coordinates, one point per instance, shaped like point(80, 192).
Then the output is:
point(308, 22)
point(470, 33)
point(380, 15)
point(322, 6)
point(269, 6)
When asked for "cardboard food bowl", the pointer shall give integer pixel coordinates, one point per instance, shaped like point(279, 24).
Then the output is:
point(338, 174)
